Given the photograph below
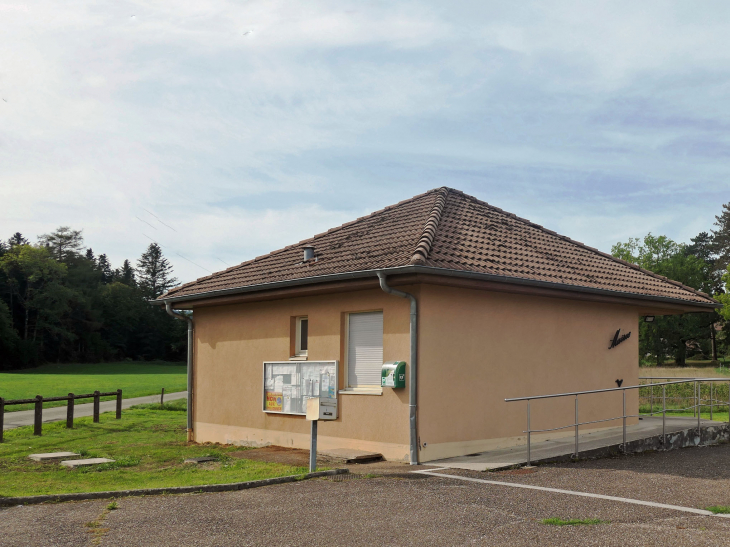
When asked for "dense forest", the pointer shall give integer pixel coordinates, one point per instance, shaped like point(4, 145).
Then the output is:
point(59, 302)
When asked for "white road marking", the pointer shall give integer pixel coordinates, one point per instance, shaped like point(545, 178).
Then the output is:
point(433, 473)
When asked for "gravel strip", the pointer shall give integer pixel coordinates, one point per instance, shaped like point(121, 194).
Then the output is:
point(58, 525)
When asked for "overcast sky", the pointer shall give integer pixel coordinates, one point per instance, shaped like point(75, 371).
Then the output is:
point(225, 130)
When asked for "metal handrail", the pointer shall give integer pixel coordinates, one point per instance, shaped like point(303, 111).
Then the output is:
point(698, 396)
point(703, 378)
point(697, 407)
point(570, 394)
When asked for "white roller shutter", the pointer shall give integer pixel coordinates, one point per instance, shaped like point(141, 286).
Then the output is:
point(365, 349)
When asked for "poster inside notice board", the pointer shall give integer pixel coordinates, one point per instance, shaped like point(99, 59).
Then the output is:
point(288, 384)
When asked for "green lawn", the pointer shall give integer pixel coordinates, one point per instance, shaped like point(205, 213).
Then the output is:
point(135, 379)
point(717, 416)
point(148, 445)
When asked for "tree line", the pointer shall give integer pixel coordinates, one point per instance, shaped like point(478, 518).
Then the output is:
point(60, 302)
point(702, 264)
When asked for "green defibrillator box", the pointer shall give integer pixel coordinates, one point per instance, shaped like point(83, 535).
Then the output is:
point(393, 374)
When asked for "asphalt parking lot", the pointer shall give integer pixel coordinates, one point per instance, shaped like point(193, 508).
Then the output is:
point(396, 507)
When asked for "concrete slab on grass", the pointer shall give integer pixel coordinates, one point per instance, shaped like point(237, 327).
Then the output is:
point(51, 456)
point(201, 460)
point(82, 463)
point(349, 455)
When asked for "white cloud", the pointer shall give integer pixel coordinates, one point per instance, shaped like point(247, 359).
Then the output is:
point(249, 126)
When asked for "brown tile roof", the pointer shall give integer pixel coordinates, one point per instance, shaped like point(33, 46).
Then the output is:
point(445, 228)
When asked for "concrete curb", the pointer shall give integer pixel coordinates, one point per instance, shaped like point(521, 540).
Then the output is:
point(230, 487)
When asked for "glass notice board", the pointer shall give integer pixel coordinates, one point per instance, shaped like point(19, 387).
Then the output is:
point(288, 384)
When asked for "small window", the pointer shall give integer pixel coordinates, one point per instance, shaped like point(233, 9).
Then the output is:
point(302, 337)
point(364, 349)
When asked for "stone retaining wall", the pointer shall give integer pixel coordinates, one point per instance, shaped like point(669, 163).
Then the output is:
point(708, 435)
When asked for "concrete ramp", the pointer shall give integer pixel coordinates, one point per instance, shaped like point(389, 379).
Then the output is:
point(646, 435)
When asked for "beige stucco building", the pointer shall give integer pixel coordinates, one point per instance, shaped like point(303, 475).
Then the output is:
point(503, 308)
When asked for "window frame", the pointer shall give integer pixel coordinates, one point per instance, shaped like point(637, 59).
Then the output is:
point(372, 389)
point(298, 351)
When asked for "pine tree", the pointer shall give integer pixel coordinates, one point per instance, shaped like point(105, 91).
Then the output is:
point(703, 247)
point(105, 268)
point(125, 274)
point(63, 243)
point(721, 238)
point(17, 239)
point(90, 255)
point(154, 272)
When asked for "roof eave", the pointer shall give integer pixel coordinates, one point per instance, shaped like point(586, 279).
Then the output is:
point(430, 270)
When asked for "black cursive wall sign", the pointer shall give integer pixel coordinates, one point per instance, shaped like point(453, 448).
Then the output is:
point(618, 338)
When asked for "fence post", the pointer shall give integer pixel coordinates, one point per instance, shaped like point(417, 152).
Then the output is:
point(96, 407)
point(38, 422)
point(624, 427)
point(576, 427)
point(712, 395)
point(119, 404)
point(728, 403)
point(162, 397)
point(70, 411)
point(664, 417)
point(651, 398)
point(697, 390)
point(528, 432)
point(2, 417)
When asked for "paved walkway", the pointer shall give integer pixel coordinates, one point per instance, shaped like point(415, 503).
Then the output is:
point(58, 413)
point(561, 446)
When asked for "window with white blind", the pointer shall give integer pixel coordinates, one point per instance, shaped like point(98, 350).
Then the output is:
point(364, 349)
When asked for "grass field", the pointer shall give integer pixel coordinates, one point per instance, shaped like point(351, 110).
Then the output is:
point(135, 379)
point(148, 445)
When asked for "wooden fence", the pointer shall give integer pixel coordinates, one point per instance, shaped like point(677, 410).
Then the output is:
point(71, 398)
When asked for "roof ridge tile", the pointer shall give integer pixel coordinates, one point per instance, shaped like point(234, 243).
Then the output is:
point(423, 248)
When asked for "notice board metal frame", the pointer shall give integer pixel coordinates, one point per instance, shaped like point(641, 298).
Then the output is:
point(334, 364)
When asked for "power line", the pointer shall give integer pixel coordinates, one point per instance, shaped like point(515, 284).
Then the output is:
point(159, 220)
point(147, 223)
